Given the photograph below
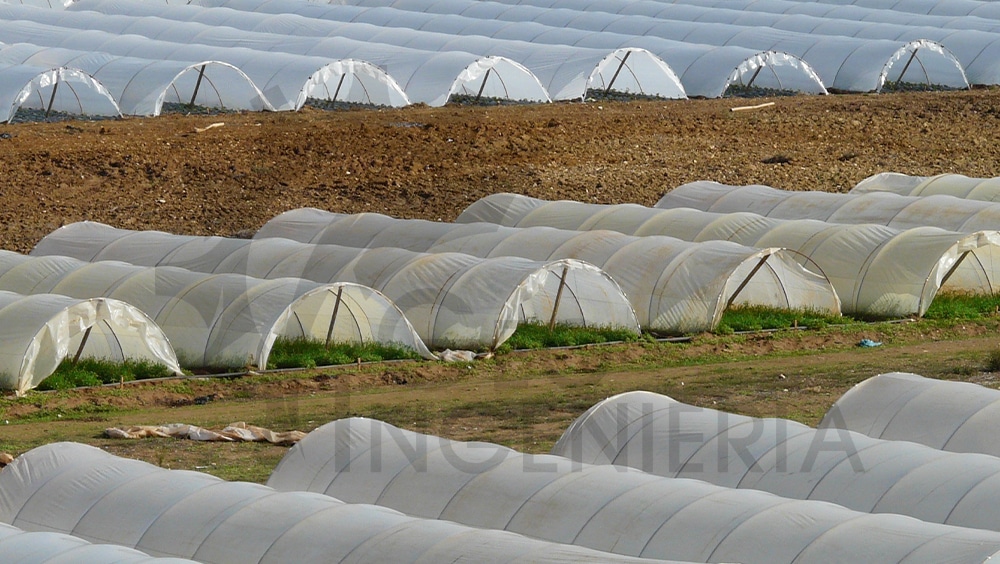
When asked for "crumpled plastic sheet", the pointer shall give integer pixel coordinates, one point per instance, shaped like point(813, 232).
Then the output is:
point(234, 432)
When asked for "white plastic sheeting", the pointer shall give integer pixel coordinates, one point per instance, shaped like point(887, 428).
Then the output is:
point(875, 270)
point(843, 63)
point(957, 185)
point(980, 9)
point(141, 86)
point(704, 70)
point(565, 71)
point(883, 208)
point(38, 331)
point(52, 88)
point(599, 506)
point(79, 489)
point(660, 435)
point(286, 80)
point(978, 51)
point(224, 320)
point(947, 415)
point(453, 300)
point(674, 286)
point(425, 75)
point(57, 548)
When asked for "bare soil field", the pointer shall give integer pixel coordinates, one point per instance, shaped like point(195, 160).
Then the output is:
point(173, 173)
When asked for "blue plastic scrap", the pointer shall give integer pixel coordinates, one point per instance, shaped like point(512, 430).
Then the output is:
point(869, 343)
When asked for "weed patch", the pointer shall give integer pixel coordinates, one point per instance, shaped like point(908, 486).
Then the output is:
point(310, 353)
point(96, 371)
point(758, 318)
point(538, 336)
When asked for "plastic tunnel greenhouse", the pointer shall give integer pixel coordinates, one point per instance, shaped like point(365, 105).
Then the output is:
point(976, 49)
point(426, 76)
point(876, 271)
point(38, 331)
point(52, 88)
point(957, 185)
point(141, 86)
point(225, 320)
point(674, 286)
point(565, 71)
point(453, 300)
point(946, 415)
point(843, 63)
point(883, 208)
point(57, 548)
point(69, 487)
point(607, 508)
point(703, 70)
point(286, 80)
point(662, 436)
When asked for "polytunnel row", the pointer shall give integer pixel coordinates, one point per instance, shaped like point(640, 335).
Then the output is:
point(674, 286)
point(452, 300)
point(947, 415)
point(610, 508)
point(702, 70)
point(57, 548)
point(875, 270)
point(95, 496)
point(957, 185)
point(39, 331)
point(660, 435)
point(221, 321)
point(841, 62)
point(550, 53)
point(883, 208)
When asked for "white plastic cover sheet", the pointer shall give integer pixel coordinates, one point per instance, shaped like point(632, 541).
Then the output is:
point(141, 86)
point(843, 63)
point(660, 435)
point(704, 70)
point(225, 320)
point(57, 548)
point(975, 49)
point(980, 9)
point(566, 71)
point(38, 331)
point(63, 487)
point(427, 76)
point(286, 80)
point(453, 300)
point(876, 271)
point(48, 87)
point(899, 406)
point(674, 286)
point(946, 212)
point(614, 509)
point(957, 185)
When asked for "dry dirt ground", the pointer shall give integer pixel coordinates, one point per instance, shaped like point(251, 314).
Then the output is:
point(173, 174)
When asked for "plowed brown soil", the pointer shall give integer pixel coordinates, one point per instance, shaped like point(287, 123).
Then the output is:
point(161, 173)
point(173, 174)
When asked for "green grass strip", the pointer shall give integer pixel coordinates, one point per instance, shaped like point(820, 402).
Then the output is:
point(758, 318)
point(538, 336)
point(309, 353)
point(98, 371)
point(957, 305)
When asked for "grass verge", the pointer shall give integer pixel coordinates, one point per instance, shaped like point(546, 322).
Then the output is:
point(309, 353)
point(758, 318)
point(956, 305)
point(98, 371)
point(538, 336)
